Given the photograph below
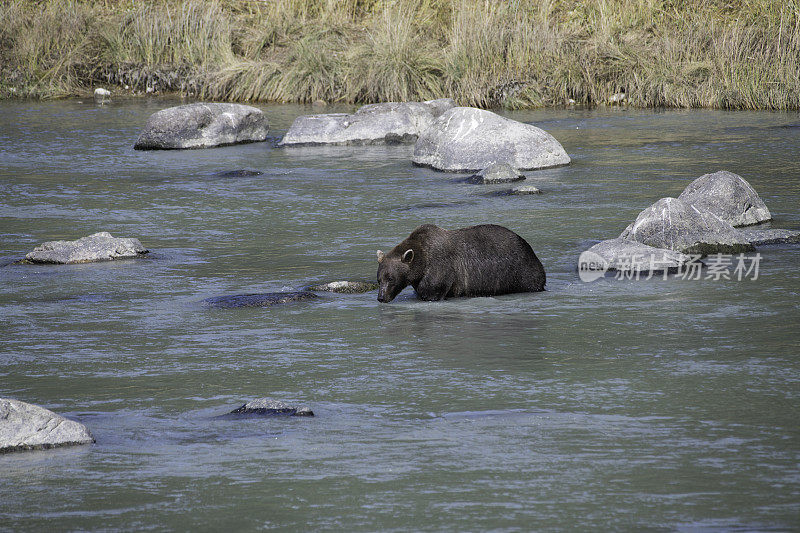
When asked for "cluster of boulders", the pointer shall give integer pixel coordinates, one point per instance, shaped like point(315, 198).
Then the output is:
point(704, 219)
point(446, 137)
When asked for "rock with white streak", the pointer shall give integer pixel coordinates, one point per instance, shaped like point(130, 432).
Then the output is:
point(24, 426)
point(203, 126)
point(467, 139)
point(728, 196)
point(672, 224)
point(98, 247)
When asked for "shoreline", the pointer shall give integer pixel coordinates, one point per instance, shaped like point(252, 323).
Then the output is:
point(644, 54)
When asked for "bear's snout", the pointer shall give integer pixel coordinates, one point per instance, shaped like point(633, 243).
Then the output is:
point(382, 295)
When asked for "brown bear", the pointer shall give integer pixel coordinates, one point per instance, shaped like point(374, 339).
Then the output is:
point(484, 260)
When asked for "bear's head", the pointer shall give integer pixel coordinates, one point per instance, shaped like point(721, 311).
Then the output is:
point(394, 273)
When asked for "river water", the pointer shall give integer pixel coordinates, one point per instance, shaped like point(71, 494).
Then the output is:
point(619, 404)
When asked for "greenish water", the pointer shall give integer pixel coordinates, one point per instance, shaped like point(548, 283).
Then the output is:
point(659, 405)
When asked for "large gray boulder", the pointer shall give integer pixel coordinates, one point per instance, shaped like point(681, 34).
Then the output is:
point(202, 126)
point(466, 139)
point(728, 196)
point(98, 247)
point(672, 224)
point(24, 426)
point(390, 122)
point(626, 255)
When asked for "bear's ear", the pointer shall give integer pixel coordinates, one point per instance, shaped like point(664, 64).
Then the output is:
point(380, 255)
point(408, 256)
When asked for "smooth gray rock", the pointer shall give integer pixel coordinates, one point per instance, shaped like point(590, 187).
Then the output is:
point(390, 122)
point(258, 300)
point(626, 255)
point(728, 196)
point(270, 407)
point(672, 224)
point(98, 247)
point(467, 139)
point(203, 126)
point(496, 173)
point(24, 426)
point(345, 287)
point(759, 237)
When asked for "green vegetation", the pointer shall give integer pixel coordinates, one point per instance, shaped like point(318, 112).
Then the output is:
point(514, 53)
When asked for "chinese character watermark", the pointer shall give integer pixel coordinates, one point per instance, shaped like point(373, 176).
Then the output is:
point(716, 267)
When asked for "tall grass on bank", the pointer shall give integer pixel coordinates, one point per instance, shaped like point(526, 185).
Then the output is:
point(514, 53)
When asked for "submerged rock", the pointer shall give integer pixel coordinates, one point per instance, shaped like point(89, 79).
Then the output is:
point(672, 224)
point(631, 256)
point(98, 247)
point(372, 124)
point(345, 287)
point(269, 407)
point(759, 237)
point(467, 139)
point(496, 173)
point(728, 196)
point(258, 300)
point(24, 426)
point(203, 126)
point(525, 189)
point(240, 173)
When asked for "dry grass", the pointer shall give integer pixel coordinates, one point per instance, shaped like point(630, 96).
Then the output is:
point(516, 53)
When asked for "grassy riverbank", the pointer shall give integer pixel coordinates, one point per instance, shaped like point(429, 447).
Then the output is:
point(677, 53)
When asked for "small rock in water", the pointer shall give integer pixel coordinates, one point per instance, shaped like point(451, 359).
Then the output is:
point(24, 426)
point(241, 173)
point(496, 173)
point(258, 300)
point(525, 189)
point(269, 407)
point(345, 287)
point(98, 247)
point(102, 95)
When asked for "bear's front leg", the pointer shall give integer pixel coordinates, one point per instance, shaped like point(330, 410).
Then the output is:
point(432, 290)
